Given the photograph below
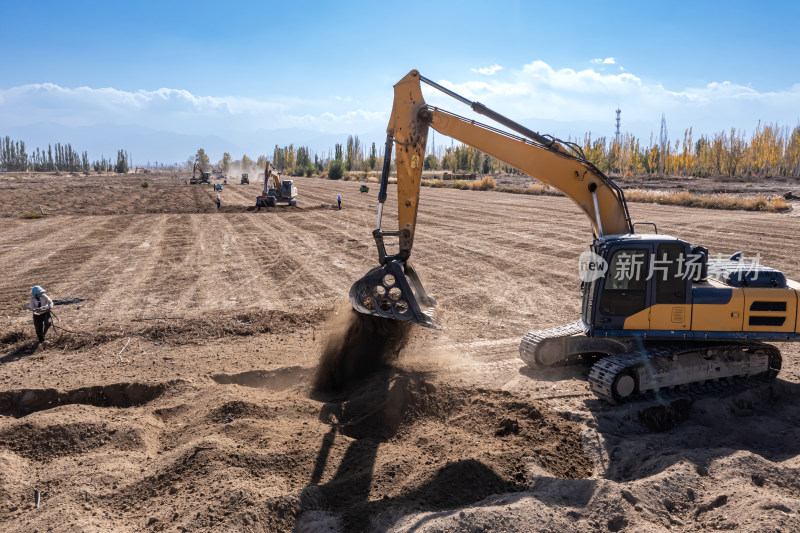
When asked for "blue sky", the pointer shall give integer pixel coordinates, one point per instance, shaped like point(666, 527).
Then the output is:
point(161, 77)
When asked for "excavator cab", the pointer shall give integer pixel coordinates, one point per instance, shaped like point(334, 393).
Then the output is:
point(640, 282)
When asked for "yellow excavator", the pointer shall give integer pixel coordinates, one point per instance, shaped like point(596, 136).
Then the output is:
point(276, 189)
point(199, 175)
point(657, 312)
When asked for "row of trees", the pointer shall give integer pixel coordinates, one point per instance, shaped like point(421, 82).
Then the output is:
point(296, 162)
point(58, 157)
point(769, 151)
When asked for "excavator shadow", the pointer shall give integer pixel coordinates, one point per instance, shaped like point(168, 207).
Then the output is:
point(369, 413)
point(649, 436)
point(560, 373)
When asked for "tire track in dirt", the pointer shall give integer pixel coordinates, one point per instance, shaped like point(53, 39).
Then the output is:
point(37, 242)
point(64, 258)
point(142, 241)
point(110, 260)
point(168, 272)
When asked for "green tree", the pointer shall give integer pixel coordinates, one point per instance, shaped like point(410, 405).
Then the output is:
point(336, 169)
point(226, 162)
point(201, 158)
point(247, 163)
point(430, 163)
point(122, 162)
point(348, 158)
point(373, 157)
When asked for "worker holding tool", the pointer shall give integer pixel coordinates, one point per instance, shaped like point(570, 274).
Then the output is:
point(218, 201)
point(41, 304)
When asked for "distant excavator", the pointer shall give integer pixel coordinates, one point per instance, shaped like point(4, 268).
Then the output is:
point(276, 189)
point(657, 313)
point(199, 175)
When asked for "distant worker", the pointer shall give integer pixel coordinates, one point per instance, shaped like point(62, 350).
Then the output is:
point(41, 304)
point(339, 201)
point(218, 201)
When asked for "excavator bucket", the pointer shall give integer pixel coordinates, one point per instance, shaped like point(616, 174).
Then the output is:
point(394, 291)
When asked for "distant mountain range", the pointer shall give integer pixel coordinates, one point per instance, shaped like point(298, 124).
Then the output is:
point(151, 145)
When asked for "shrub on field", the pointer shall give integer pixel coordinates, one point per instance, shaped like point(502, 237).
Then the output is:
point(373, 180)
point(309, 170)
point(758, 202)
point(484, 184)
point(33, 214)
point(535, 189)
point(336, 169)
point(145, 185)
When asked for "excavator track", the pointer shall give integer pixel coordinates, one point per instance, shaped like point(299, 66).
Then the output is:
point(536, 342)
point(681, 369)
point(566, 345)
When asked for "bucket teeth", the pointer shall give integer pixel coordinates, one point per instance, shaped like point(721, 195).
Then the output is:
point(394, 291)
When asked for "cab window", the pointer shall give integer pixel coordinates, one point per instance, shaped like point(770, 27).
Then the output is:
point(668, 273)
point(625, 290)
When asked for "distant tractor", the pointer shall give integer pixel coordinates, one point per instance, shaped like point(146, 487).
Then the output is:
point(276, 189)
point(363, 188)
point(245, 179)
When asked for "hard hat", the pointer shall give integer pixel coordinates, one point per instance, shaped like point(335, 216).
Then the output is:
point(36, 290)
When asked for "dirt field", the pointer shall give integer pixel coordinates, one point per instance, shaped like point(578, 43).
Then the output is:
point(177, 396)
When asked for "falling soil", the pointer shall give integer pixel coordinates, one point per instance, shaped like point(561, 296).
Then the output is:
point(357, 346)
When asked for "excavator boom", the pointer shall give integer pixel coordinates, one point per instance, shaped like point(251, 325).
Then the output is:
point(394, 290)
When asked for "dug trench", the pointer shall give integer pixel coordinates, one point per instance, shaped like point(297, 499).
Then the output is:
point(266, 450)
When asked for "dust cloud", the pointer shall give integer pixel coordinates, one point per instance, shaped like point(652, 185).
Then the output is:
point(356, 346)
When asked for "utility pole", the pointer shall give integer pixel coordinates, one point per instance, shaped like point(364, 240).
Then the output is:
point(617, 146)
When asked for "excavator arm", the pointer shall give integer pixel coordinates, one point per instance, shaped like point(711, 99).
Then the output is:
point(269, 173)
point(394, 290)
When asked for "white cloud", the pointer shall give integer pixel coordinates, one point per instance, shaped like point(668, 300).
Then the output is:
point(173, 110)
point(606, 61)
point(535, 94)
point(488, 71)
point(589, 96)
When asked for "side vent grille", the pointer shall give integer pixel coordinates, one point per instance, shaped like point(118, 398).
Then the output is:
point(767, 320)
point(768, 306)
